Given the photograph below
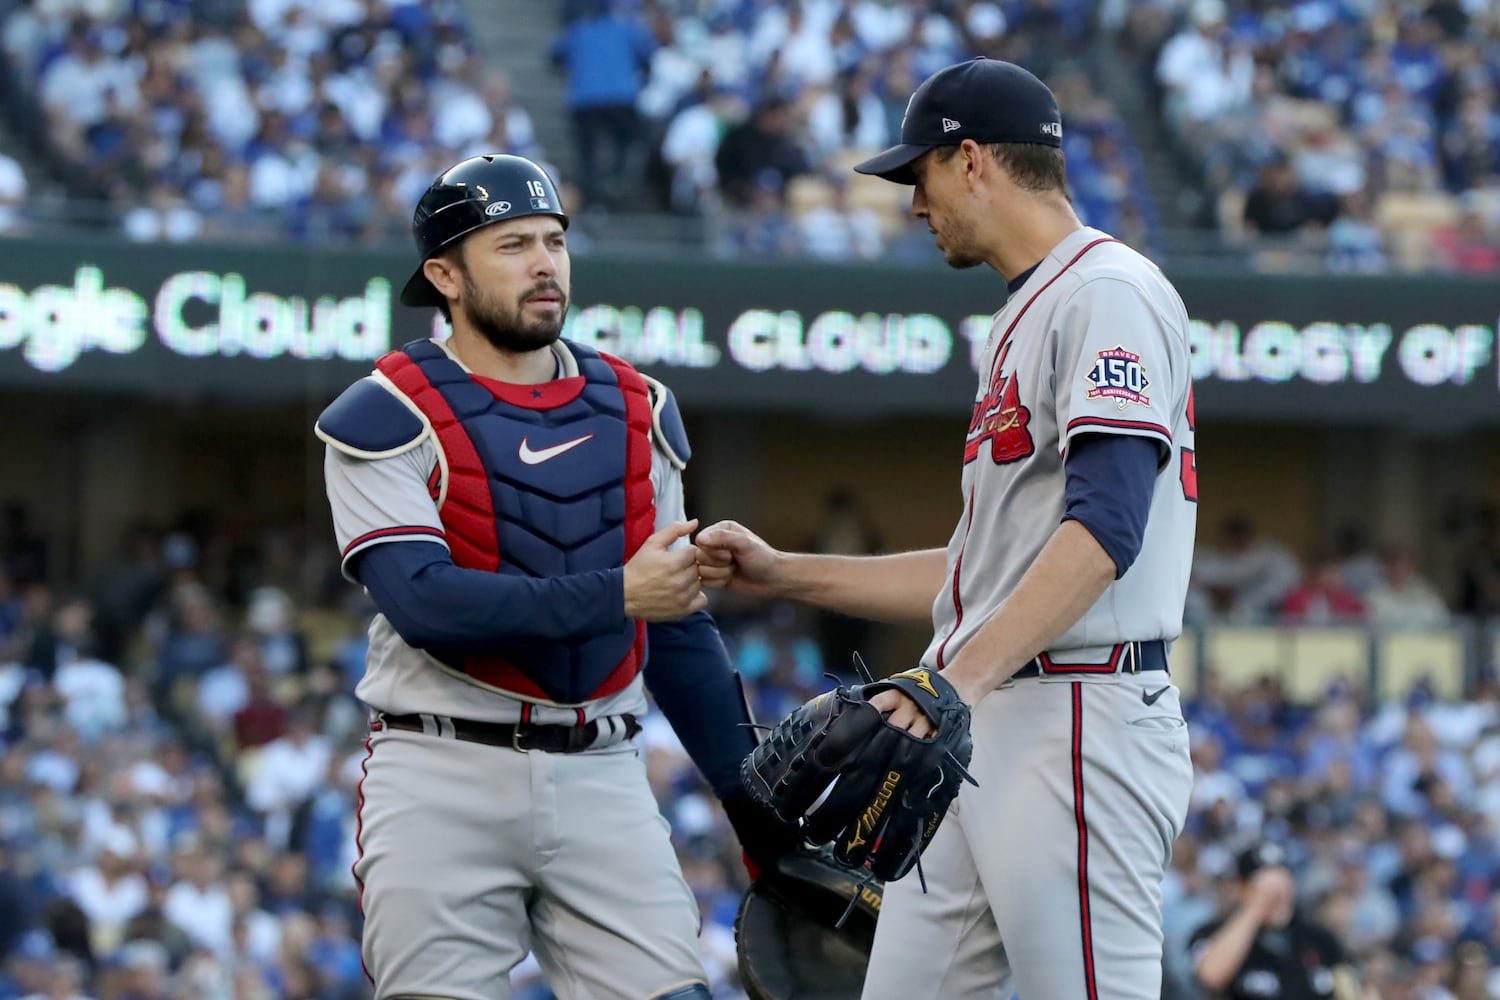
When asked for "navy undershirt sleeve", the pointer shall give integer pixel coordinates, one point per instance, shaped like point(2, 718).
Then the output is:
point(434, 604)
point(1110, 478)
point(690, 676)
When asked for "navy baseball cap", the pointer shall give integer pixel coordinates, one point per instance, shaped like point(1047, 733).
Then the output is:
point(987, 100)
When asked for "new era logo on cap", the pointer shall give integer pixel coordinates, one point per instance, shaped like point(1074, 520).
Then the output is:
point(949, 125)
point(1052, 129)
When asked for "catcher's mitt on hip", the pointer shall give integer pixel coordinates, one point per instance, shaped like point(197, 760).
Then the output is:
point(804, 930)
point(876, 792)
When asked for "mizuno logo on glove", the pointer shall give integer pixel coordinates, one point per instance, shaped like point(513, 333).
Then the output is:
point(871, 816)
point(923, 679)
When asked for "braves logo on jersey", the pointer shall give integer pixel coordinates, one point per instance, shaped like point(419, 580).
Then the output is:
point(1000, 418)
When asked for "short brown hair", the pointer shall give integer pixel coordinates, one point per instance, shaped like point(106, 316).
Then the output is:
point(1032, 166)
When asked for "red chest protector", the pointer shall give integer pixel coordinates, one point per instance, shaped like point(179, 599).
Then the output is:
point(541, 481)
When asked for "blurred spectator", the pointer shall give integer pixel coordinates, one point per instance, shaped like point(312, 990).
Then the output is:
point(1280, 205)
point(1323, 598)
point(271, 618)
point(262, 718)
point(1212, 785)
point(111, 892)
point(198, 903)
point(837, 230)
point(144, 966)
point(604, 54)
point(1415, 771)
point(760, 153)
point(1355, 244)
point(64, 980)
point(849, 117)
point(288, 772)
point(1470, 245)
point(1360, 565)
point(1247, 577)
point(166, 216)
point(1266, 942)
point(761, 227)
point(1479, 573)
point(1204, 72)
point(13, 191)
point(692, 142)
point(225, 690)
point(194, 644)
point(34, 638)
point(1402, 598)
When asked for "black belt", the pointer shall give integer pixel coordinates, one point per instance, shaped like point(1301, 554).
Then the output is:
point(524, 737)
point(1127, 658)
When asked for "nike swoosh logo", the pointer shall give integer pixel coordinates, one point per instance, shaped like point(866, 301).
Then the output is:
point(1149, 697)
point(547, 454)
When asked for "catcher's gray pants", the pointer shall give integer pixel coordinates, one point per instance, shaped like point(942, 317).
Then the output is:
point(470, 855)
point(1046, 879)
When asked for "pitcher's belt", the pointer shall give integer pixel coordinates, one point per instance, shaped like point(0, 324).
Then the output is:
point(1126, 658)
point(603, 732)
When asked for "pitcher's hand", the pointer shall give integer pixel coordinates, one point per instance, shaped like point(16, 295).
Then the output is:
point(731, 555)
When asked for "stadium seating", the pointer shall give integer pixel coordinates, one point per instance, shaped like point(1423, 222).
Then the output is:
point(1371, 98)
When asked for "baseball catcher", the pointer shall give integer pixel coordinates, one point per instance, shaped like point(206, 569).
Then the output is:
point(876, 792)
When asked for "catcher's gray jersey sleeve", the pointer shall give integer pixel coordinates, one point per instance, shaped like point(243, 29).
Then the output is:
point(1114, 363)
point(670, 505)
point(377, 500)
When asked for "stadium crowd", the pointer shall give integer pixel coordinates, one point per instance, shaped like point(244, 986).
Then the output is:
point(180, 751)
point(1365, 133)
point(310, 121)
point(324, 121)
point(1357, 135)
point(753, 112)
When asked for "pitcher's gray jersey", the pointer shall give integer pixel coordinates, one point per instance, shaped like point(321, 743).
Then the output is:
point(386, 498)
point(1095, 341)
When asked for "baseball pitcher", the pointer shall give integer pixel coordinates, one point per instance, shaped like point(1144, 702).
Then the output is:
point(1053, 607)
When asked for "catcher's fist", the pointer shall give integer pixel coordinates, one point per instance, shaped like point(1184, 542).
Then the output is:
point(661, 582)
point(731, 555)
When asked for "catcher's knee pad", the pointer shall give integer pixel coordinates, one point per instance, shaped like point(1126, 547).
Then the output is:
point(697, 991)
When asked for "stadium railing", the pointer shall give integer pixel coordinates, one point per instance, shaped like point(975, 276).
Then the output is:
point(1308, 661)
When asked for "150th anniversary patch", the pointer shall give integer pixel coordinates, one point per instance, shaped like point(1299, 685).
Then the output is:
point(1119, 375)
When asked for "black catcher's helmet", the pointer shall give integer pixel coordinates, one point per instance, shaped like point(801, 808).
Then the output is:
point(477, 192)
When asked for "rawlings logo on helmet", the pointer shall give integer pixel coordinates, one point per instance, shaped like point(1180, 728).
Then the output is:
point(497, 208)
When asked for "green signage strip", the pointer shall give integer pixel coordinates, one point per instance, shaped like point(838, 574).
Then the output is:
point(260, 323)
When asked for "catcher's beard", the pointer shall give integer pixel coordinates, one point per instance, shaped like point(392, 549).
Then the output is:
point(507, 327)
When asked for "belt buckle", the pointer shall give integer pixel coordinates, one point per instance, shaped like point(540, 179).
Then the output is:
point(515, 739)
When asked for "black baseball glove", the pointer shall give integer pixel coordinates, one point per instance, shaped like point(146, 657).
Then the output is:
point(876, 792)
point(804, 930)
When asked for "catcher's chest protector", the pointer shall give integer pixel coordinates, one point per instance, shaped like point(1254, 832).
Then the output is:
point(510, 505)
